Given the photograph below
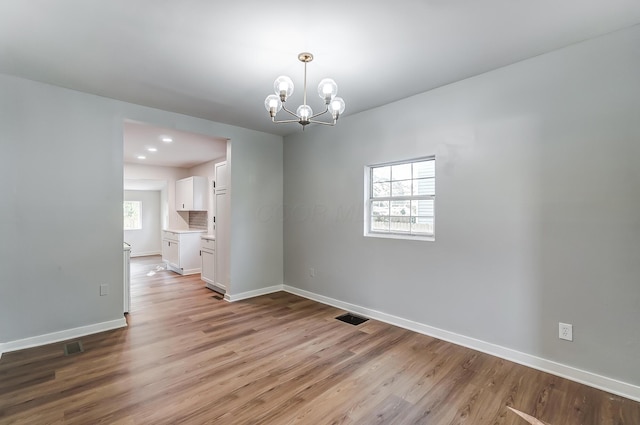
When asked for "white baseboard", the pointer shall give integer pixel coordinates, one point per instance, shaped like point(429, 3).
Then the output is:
point(183, 272)
point(254, 293)
point(214, 287)
point(604, 383)
point(50, 338)
point(145, 254)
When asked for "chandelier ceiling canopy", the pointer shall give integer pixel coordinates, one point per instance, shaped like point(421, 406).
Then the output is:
point(327, 90)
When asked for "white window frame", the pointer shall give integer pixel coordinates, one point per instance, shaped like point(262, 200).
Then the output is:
point(369, 199)
point(140, 215)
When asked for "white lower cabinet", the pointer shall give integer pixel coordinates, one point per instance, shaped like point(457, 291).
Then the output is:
point(180, 250)
point(171, 253)
point(208, 263)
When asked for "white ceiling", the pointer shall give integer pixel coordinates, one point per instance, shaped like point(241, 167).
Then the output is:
point(185, 150)
point(217, 60)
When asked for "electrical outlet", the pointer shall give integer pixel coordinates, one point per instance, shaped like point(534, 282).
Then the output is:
point(565, 331)
point(312, 272)
point(104, 289)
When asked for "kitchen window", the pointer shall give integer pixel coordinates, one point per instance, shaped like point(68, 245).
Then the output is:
point(400, 199)
point(132, 215)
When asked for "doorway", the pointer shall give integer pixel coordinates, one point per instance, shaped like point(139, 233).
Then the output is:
point(154, 159)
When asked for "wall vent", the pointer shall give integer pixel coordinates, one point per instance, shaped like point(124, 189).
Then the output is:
point(73, 348)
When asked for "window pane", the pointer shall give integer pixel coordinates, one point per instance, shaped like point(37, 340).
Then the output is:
point(380, 208)
point(401, 188)
point(424, 169)
point(132, 215)
point(422, 208)
point(400, 224)
point(381, 190)
point(422, 225)
point(401, 208)
point(401, 172)
point(424, 187)
point(380, 224)
point(381, 174)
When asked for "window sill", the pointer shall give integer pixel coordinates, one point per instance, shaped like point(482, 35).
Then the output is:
point(400, 236)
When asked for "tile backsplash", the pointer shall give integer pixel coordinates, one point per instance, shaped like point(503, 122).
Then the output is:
point(198, 220)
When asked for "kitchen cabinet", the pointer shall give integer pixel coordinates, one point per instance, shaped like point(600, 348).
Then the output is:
point(181, 250)
point(208, 262)
point(171, 252)
point(221, 176)
point(222, 225)
point(191, 194)
point(127, 277)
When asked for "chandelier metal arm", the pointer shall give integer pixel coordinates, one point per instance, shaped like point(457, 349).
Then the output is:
point(283, 121)
point(284, 108)
point(323, 122)
point(326, 109)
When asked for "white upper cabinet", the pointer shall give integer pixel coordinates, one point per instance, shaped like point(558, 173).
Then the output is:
point(191, 194)
point(221, 176)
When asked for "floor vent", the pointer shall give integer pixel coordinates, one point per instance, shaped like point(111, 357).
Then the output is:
point(73, 348)
point(352, 319)
point(218, 297)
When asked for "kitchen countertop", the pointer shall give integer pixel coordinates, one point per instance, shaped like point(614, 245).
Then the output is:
point(208, 237)
point(186, 230)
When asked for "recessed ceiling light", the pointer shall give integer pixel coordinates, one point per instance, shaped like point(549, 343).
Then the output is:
point(152, 149)
point(142, 157)
point(167, 139)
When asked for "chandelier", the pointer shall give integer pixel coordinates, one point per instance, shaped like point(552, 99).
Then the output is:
point(327, 90)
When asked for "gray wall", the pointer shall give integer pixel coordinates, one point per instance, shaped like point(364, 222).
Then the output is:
point(61, 220)
point(537, 210)
point(61, 214)
point(256, 215)
point(145, 241)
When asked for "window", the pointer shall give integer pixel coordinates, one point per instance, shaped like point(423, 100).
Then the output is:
point(400, 199)
point(132, 215)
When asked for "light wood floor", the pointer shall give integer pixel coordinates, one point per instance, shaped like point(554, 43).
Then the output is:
point(189, 358)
